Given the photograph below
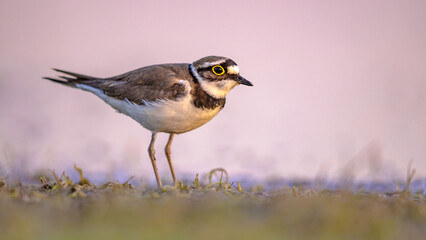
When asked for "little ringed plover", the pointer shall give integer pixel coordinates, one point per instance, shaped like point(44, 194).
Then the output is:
point(169, 98)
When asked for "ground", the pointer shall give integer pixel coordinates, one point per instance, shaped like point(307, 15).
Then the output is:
point(61, 209)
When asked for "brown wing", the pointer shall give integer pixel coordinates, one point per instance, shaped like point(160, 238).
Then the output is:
point(144, 84)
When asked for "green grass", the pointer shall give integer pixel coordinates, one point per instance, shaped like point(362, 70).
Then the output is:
point(62, 209)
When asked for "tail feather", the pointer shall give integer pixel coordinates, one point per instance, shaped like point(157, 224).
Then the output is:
point(78, 76)
point(67, 78)
point(71, 80)
point(66, 83)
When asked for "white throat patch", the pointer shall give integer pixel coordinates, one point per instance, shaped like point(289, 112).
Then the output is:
point(218, 89)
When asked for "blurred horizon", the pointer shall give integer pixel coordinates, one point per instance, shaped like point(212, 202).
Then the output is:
point(339, 86)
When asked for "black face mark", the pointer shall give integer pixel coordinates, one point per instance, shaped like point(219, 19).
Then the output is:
point(218, 72)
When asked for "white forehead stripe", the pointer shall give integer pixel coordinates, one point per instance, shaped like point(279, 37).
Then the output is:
point(233, 69)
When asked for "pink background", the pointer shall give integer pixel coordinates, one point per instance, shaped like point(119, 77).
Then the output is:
point(338, 85)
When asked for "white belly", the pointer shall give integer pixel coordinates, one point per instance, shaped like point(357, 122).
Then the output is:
point(162, 115)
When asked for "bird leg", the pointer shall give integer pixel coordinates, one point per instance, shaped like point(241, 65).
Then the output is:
point(167, 149)
point(151, 152)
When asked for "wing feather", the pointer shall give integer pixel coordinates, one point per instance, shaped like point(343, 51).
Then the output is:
point(144, 84)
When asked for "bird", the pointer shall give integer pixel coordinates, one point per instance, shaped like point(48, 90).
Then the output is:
point(170, 98)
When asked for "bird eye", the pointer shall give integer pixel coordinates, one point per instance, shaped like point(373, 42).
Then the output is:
point(218, 70)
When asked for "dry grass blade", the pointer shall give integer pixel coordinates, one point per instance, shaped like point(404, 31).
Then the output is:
point(82, 179)
point(216, 170)
point(196, 182)
point(43, 180)
point(128, 180)
point(239, 189)
point(220, 182)
point(410, 176)
point(58, 181)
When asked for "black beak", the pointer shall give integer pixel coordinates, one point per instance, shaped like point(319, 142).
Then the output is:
point(244, 81)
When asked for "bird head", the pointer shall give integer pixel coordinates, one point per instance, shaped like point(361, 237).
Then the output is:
point(217, 75)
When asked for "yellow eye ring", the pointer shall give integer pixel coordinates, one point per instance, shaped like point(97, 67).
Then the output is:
point(217, 71)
